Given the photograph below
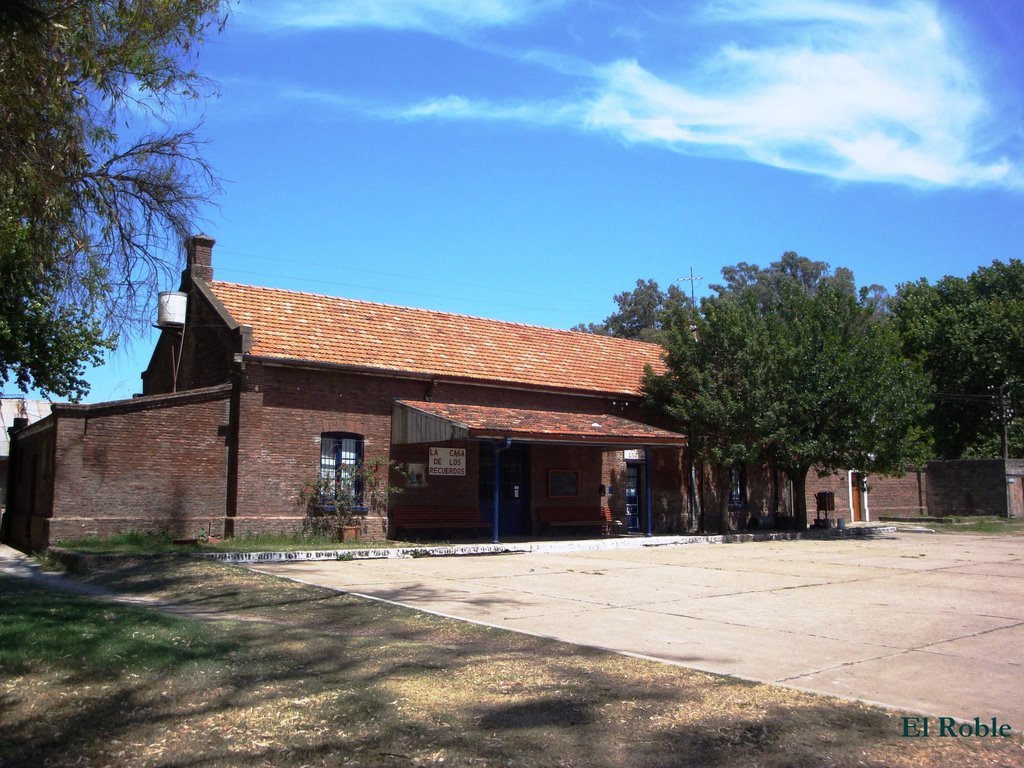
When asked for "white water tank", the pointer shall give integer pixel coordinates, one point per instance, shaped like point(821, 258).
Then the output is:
point(171, 309)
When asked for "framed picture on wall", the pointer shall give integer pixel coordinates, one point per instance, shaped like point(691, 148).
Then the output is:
point(563, 483)
point(416, 476)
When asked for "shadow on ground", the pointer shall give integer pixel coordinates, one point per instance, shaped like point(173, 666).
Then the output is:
point(289, 675)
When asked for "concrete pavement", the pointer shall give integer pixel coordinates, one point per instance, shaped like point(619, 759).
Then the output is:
point(924, 623)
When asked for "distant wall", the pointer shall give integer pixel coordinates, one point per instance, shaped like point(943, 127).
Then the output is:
point(975, 487)
point(30, 486)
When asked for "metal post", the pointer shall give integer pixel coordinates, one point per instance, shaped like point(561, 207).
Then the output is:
point(497, 494)
point(647, 491)
point(693, 496)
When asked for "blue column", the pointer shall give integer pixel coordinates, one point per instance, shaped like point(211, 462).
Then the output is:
point(647, 491)
point(499, 446)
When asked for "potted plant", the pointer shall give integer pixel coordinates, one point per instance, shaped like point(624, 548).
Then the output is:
point(336, 503)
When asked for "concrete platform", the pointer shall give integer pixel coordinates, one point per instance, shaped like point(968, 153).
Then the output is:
point(922, 623)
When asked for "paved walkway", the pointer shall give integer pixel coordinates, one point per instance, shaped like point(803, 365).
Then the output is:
point(15, 563)
point(923, 622)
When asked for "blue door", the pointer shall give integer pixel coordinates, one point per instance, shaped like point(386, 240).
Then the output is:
point(515, 491)
point(514, 488)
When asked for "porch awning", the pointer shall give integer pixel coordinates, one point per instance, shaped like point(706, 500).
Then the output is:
point(418, 421)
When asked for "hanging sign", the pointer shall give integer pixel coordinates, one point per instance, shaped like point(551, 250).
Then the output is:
point(447, 461)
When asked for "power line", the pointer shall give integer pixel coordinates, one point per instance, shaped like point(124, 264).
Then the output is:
point(402, 276)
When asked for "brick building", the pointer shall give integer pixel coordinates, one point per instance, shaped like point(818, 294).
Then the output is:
point(503, 430)
point(261, 391)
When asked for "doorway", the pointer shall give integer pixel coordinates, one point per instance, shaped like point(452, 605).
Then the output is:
point(857, 497)
point(514, 488)
point(634, 496)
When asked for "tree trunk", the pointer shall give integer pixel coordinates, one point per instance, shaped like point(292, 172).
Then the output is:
point(722, 497)
point(776, 492)
point(799, 479)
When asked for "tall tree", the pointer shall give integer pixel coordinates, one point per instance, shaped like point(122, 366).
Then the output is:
point(843, 396)
point(97, 186)
point(791, 270)
point(968, 332)
point(715, 384)
point(642, 312)
point(801, 380)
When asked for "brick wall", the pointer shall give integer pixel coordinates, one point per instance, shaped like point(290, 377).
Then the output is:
point(892, 496)
point(438, 491)
point(768, 494)
point(670, 499)
point(585, 460)
point(150, 464)
point(886, 495)
point(971, 487)
point(208, 349)
point(281, 414)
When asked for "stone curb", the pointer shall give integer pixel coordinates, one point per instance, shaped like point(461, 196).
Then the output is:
point(587, 545)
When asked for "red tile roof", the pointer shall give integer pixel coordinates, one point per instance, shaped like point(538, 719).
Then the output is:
point(532, 424)
point(291, 325)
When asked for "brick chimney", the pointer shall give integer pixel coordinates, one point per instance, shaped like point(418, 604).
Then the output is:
point(199, 258)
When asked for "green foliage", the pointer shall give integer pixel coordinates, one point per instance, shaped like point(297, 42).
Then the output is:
point(44, 341)
point(842, 394)
point(807, 276)
point(794, 377)
point(335, 499)
point(967, 333)
point(97, 185)
point(642, 312)
point(714, 383)
point(127, 541)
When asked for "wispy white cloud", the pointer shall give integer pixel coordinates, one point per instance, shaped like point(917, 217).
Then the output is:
point(449, 108)
point(460, 108)
point(437, 16)
point(849, 92)
point(846, 89)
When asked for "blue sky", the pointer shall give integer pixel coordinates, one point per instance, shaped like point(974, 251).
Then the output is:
point(528, 159)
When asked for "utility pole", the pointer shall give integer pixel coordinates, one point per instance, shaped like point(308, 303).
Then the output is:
point(1004, 414)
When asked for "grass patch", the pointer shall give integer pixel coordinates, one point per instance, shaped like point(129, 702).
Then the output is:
point(85, 640)
point(283, 674)
point(130, 541)
point(983, 524)
point(144, 542)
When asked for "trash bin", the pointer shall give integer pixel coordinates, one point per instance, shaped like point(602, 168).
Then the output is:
point(825, 501)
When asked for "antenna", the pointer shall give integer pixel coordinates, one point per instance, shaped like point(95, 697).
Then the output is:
point(692, 280)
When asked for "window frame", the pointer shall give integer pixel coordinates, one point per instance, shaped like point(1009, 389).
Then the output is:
point(338, 450)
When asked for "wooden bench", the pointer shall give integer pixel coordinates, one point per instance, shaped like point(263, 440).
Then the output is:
point(436, 519)
point(599, 517)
